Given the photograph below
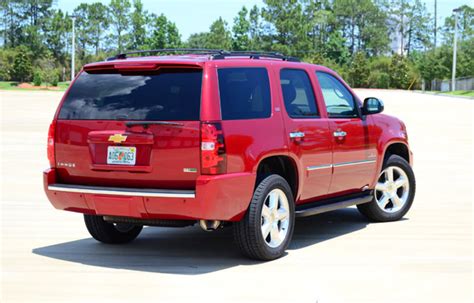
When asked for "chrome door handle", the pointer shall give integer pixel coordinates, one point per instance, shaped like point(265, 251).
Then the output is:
point(339, 133)
point(296, 135)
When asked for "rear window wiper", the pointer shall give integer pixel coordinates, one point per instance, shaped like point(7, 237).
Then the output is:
point(145, 124)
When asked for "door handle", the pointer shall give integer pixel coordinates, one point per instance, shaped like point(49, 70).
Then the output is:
point(296, 135)
point(339, 133)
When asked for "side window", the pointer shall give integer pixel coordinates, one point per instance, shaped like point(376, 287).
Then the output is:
point(339, 101)
point(244, 93)
point(298, 94)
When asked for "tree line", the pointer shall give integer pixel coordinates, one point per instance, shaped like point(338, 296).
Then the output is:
point(371, 43)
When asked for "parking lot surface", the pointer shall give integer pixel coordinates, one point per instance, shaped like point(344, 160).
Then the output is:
point(48, 256)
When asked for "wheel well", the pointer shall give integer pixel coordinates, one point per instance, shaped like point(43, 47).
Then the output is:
point(280, 165)
point(398, 149)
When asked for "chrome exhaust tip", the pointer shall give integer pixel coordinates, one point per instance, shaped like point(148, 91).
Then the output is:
point(209, 225)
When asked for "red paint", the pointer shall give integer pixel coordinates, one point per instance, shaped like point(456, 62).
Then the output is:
point(222, 193)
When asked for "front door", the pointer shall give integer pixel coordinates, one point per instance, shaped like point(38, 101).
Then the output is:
point(354, 151)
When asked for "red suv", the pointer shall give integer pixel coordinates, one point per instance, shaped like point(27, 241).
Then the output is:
point(246, 139)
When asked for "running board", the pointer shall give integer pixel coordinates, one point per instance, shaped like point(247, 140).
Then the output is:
point(319, 207)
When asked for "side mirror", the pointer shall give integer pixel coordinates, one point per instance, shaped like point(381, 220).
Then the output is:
point(372, 106)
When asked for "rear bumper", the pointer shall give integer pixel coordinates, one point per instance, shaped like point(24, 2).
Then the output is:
point(221, 197)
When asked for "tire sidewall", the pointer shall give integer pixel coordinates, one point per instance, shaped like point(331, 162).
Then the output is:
point(402, 164)
point(270, 183)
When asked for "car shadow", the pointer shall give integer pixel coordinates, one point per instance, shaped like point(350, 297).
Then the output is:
point(190, 251)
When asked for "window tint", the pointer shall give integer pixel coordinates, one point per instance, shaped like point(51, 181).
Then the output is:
point(339, 101)
point(244, 93)
point(170, 94)
point(298, 94)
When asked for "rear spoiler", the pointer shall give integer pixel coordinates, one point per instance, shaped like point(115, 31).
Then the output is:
point(135, 66)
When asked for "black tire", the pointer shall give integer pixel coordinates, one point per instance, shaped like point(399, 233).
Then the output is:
point(247, 232)
point(373, 212)
point(110, 233)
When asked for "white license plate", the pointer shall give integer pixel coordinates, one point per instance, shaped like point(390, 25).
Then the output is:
point(121, 155)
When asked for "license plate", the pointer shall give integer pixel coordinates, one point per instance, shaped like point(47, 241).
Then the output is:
point(122, 155)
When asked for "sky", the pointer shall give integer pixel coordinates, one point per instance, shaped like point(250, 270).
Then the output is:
point(194, 16)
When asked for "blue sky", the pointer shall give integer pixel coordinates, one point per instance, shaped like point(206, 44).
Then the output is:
point(193, 16)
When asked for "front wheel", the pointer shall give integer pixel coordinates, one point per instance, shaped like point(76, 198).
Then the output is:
point(111, 233)
point(393, 193)
point(266, 230)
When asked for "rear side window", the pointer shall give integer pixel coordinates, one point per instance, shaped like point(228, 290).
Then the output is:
point(298, 94)
point(168, 94)
point(244, 93)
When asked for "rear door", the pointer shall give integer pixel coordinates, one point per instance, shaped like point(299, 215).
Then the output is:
point(131, 129)
point(308, 134)
point(354, 150)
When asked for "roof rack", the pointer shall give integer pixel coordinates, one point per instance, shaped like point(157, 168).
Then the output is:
point(254, 55)
point(214, 54)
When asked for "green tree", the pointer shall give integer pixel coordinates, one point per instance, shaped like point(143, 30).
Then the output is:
point(335, 48)
point(98, 17)
point(363, 25)
point(219, 36)
point(138, 22)
point(419, 28)
point(241, 29)
point(120, 22)
point(287, 19)
point(173, 36)
point(255, 30)
point(465, 25)
point(321, 28)
point(56, 34)
point(22, 67)
point(198, 40)
point(165, 33)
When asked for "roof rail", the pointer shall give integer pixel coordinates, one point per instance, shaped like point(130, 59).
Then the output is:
point(214, 54)
point(203, 51)
point(254, 55)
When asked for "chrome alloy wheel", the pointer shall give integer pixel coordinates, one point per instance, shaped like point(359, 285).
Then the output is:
point(275, 218)
point(392, 189)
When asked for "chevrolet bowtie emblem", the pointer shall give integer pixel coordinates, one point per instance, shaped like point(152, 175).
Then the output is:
point(117, 138)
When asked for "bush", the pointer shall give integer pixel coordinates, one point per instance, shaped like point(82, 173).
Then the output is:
point(359, 71)
point(50, 76)
point(55, 80)
point(399, 72)
point(22, 69)
point(37, 80)
point(7, 57)
point(379, 79)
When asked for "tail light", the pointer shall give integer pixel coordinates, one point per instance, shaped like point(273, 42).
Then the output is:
point(50, 149)
point(213, 155)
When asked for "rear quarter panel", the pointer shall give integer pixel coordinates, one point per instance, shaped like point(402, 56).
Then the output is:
point(251, 140)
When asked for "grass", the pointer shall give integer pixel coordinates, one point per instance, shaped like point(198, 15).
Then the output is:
point(11, 85)
point(462, 93)
point(465, 93)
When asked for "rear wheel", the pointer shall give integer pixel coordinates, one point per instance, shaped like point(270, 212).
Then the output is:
point(394, 192)
point(266, 230)
point(111, 233)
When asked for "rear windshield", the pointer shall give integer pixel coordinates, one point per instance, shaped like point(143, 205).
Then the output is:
point(169, 94)
point(244, 93)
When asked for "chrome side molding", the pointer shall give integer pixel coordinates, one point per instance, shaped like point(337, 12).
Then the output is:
point(317, 167)
point(354, 163)
point(325, 166)
point(136, 192)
